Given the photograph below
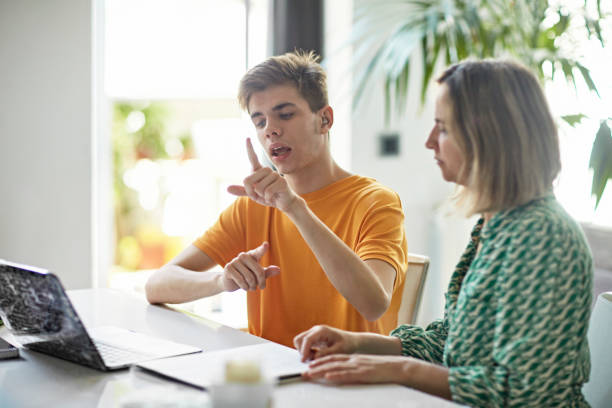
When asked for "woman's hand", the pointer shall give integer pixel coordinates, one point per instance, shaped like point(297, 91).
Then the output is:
point(369, 369)
point(360, 369)
point(323, 340)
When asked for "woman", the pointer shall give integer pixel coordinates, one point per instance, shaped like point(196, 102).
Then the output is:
point(517, 307)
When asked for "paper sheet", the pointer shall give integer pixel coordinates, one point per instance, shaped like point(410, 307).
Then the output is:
point(203, 369)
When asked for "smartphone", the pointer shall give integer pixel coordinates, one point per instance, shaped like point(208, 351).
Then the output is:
point(7, 350)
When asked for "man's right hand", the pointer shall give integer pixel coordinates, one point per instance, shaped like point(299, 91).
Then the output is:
point(245, 272)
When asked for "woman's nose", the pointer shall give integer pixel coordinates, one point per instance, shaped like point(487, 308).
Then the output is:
point(430, 142)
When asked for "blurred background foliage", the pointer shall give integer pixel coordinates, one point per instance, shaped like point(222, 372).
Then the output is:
point(141, 139)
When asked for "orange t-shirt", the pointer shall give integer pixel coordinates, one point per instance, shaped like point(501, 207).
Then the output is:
point(366, 215)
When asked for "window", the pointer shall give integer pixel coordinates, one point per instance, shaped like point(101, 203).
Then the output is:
point(172, 69)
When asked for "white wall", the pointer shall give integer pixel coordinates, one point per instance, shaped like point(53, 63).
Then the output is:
point(46, 136)
point(430, 226)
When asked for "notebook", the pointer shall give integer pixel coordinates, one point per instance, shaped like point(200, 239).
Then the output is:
point(278, 362)
point(37, 312)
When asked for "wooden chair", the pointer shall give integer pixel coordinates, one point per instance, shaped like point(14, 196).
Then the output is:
point(413, 288)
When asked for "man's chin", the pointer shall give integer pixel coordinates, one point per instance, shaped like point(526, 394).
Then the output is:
point(283, 170)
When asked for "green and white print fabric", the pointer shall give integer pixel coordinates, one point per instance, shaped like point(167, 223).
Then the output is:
point(516, 314)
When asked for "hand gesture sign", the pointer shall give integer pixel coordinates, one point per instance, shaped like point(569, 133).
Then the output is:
point(245, 272)
point(264, 185)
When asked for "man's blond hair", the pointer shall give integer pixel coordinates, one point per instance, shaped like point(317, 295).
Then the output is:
point(300, 69)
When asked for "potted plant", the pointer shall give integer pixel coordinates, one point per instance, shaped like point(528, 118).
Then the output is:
point(388, 35)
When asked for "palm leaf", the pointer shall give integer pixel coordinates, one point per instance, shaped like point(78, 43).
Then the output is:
point(586, 75)
point(459, 29)
point(601, 161)
point(388, 47)
point(573, 120)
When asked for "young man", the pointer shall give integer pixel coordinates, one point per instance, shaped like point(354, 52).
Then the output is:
point(334, 242)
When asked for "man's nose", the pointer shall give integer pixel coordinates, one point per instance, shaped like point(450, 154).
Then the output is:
point(272, 129)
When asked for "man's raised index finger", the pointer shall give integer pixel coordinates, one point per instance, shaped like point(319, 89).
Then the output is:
point(252, 155)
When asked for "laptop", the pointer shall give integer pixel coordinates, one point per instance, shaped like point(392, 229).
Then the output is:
point(37, 312)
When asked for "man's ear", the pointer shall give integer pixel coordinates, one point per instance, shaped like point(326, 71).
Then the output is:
point(327, 118)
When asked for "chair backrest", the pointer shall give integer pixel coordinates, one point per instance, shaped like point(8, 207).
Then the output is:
point(598, 391)
point(413, 289)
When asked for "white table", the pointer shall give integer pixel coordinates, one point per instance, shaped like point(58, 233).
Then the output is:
point(38, 380)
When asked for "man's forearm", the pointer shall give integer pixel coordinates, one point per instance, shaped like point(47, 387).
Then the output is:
point(346, 271)
point(174, 284)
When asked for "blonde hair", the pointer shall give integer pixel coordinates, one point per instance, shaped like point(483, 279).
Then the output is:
point(299, 68)
point(505, 131)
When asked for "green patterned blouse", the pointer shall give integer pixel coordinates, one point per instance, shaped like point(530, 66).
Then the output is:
point(516, 314)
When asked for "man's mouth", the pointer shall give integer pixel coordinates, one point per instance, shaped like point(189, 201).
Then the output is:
point(277, 151)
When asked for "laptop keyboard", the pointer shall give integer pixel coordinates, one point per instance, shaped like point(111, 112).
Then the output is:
point(113, 356)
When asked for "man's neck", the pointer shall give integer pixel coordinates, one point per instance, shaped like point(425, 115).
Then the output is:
point(316, 177)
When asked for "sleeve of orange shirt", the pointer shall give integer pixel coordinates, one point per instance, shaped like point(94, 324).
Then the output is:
point(382, 232)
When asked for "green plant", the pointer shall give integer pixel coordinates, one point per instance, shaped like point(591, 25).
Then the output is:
point(601, 160)
point(387, 35)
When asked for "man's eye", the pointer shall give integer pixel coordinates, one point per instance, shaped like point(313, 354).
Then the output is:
point(260, 124)
point(286, 116)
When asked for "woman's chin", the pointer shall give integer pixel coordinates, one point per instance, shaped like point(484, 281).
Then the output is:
point(446, 176)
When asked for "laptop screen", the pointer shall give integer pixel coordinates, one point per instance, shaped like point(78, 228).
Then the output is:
point(39, 314)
